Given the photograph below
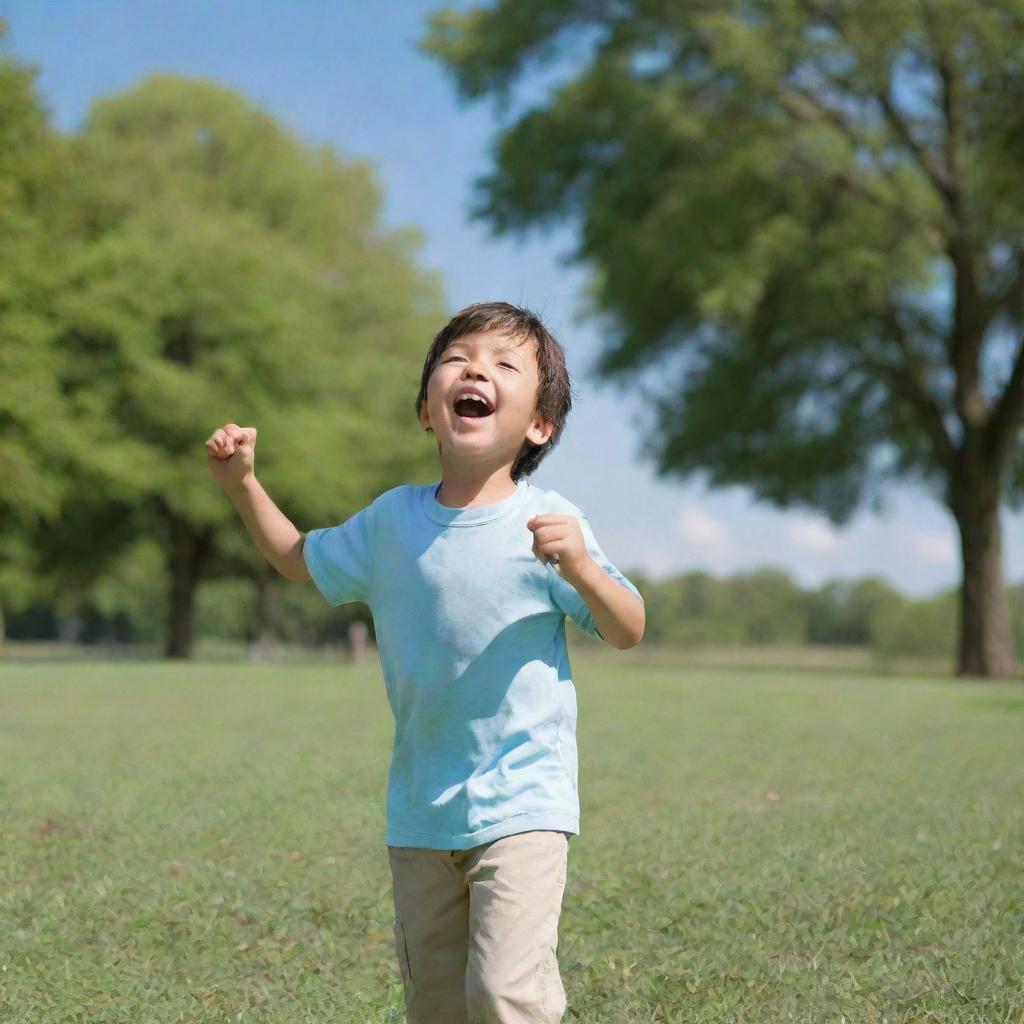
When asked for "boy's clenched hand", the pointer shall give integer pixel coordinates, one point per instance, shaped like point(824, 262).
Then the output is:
point(231, 455)
point(560, 536)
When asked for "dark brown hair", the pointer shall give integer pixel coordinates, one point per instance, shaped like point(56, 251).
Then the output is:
point(554, 396)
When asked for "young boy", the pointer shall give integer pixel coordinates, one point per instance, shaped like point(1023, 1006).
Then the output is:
point(470, 580)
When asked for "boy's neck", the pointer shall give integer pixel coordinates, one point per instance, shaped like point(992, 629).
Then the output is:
point(468, 490)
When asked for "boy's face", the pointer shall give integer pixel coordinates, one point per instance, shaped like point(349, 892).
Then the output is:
point(504, 369)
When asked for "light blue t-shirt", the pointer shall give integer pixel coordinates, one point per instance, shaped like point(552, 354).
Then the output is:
point(471, 633)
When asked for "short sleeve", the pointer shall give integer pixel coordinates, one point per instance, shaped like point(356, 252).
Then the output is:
point(340, 558)
point(568, 599)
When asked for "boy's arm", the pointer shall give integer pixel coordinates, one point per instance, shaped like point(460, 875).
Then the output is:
point(620, 615)
point(271, 530)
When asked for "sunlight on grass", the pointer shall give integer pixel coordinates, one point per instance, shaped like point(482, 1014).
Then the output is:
point(206, 842)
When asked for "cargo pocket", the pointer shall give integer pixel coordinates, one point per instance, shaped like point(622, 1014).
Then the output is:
point(402, 951)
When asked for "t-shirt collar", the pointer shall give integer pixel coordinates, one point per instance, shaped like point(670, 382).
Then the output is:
point(477, 514)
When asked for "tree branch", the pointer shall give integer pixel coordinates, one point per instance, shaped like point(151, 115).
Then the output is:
point(1012, 291)
point(907, 378)
point(971, 309)
point(935, 173)
point(807, 109)
point(933, 170)
point(1002, 426)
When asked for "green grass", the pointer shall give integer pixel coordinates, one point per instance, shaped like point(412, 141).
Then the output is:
point(206, 843)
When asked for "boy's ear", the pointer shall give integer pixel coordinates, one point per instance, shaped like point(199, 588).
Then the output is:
point(424, 415)
point(540, 430)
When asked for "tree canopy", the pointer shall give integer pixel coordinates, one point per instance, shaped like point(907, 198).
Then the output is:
point(811, 210)
point(216, 268)
point(34, 427)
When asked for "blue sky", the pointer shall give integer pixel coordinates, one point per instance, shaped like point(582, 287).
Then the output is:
point(349, 74)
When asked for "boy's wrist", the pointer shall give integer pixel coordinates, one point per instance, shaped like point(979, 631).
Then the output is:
point(575, 574)
point(242, 488)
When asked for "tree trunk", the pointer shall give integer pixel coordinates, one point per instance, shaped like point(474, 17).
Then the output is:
point(268, 612)
point(357, 633)
point(986, 643)
point(187, 552)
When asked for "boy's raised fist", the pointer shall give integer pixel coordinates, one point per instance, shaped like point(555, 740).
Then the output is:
point(231, 454)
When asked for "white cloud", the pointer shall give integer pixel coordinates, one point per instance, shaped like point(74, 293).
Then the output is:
point(707, 544)
point(812, 533)
point(699, 528)
point(936, 547)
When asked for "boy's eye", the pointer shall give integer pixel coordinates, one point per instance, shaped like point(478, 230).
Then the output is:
point(450, 358)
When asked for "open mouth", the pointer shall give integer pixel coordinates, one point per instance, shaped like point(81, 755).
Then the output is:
point(472, 407)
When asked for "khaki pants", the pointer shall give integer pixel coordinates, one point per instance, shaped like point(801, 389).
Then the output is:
point(476, 931)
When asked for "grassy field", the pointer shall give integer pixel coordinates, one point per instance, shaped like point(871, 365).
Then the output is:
point(759, 843)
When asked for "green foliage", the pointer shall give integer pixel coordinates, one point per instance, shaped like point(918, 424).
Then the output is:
point(766, 608)
point(692, 609)
point(34, 425)
point(233, 274)
point(228, 609)
point(840, 611)
point(126, 588)
point(925, 628)
point(770, 193)
point(772, 606)
point(697, 610)
point(813, 208)
point(689, 612)
point(198, 264)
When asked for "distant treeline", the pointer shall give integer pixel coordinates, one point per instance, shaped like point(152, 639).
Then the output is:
point(695, 609)
point(767, 607)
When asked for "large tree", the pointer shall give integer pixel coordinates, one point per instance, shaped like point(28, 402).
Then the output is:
point(225, 271)
point(816, 208)
point(35, 424)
